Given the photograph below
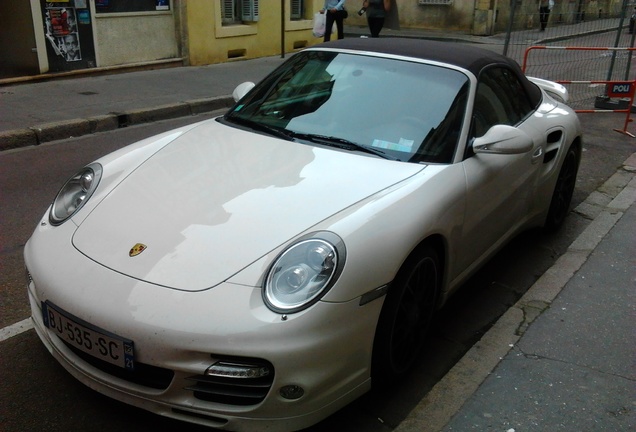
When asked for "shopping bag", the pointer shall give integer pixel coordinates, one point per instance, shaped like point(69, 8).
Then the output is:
point(319, 24)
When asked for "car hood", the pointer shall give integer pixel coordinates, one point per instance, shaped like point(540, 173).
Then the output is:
point(218, 198)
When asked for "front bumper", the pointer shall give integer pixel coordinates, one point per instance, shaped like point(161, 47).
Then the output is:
point(325, 350)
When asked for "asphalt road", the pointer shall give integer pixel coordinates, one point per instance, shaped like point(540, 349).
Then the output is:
point(37, 394)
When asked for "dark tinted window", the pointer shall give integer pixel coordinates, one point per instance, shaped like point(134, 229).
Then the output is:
point(500, 99)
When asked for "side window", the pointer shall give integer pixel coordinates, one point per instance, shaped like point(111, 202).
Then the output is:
point(296, 9)
point(500, 99)
point(516, 97)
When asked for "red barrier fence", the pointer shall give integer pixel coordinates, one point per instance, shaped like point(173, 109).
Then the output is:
point(623, 90)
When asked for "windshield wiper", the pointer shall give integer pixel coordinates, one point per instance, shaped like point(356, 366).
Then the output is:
point(261, 127)
point(326, 140)
point(340, 143)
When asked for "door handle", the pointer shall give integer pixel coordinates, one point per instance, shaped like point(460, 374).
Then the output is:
point(538, 154)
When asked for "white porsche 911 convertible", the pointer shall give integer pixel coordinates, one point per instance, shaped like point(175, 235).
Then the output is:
point(261, 270)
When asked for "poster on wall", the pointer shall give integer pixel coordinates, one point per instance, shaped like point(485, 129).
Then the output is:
point(83, 16)
point(61, 32)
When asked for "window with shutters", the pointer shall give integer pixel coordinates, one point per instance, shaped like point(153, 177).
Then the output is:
point(238, 11)
point(296, 9)
point(249, 10)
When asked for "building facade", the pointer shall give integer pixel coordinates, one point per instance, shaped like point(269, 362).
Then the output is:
point(65, 35)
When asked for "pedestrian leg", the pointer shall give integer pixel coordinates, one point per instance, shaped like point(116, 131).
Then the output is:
point(328, 25)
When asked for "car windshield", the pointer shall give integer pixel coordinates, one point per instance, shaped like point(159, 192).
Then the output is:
point(397, 109)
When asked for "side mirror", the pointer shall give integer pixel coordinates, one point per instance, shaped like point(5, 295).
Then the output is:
point(503, 139)
point(241, 90)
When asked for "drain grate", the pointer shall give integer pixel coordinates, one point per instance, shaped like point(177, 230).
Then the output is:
point(88, 93)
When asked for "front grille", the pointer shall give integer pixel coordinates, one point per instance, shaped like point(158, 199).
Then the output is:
point(231, 391)
point(145, 375)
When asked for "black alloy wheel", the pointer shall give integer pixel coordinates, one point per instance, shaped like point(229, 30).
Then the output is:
point(563, 190)
point(406, 316)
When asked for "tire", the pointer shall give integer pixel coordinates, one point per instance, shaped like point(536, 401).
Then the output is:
point(563, 190)
point(406, 316)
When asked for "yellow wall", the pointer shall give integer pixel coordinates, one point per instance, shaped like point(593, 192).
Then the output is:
point(211, 42)
point(134, 37)
point(455, 17)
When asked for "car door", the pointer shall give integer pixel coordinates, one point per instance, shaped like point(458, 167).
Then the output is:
point(499, 187)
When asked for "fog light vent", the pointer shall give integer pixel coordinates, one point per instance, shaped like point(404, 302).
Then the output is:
point(234, 382)
point(292, 392)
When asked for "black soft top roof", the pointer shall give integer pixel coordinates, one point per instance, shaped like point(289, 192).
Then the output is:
point(469, 57)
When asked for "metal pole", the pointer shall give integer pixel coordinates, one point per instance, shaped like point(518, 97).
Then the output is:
point(631, 44)
point(491, 30)
point(618, 40)
point(513, 6)
point(604, 101)
point(282, 28)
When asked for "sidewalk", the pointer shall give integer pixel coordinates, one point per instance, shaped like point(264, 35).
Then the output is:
point(554, 33)
point(563, 358)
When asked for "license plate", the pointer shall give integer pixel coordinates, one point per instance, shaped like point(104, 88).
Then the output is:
point(88, 338)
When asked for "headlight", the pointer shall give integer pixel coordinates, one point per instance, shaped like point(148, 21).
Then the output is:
point(74, 194)
point(304, 273)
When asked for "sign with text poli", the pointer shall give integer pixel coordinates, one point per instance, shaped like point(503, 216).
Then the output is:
point(620, 89)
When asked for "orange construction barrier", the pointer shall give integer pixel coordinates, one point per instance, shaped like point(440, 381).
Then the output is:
point(615, 89)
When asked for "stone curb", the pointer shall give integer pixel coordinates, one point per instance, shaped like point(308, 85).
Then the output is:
point(447, 397)
point(17, 138)
point(65, 129)
point(60, 130)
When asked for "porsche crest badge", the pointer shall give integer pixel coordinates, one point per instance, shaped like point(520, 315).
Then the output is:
point(137, 249)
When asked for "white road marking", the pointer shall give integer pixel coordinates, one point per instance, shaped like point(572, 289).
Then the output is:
point(15, 329)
